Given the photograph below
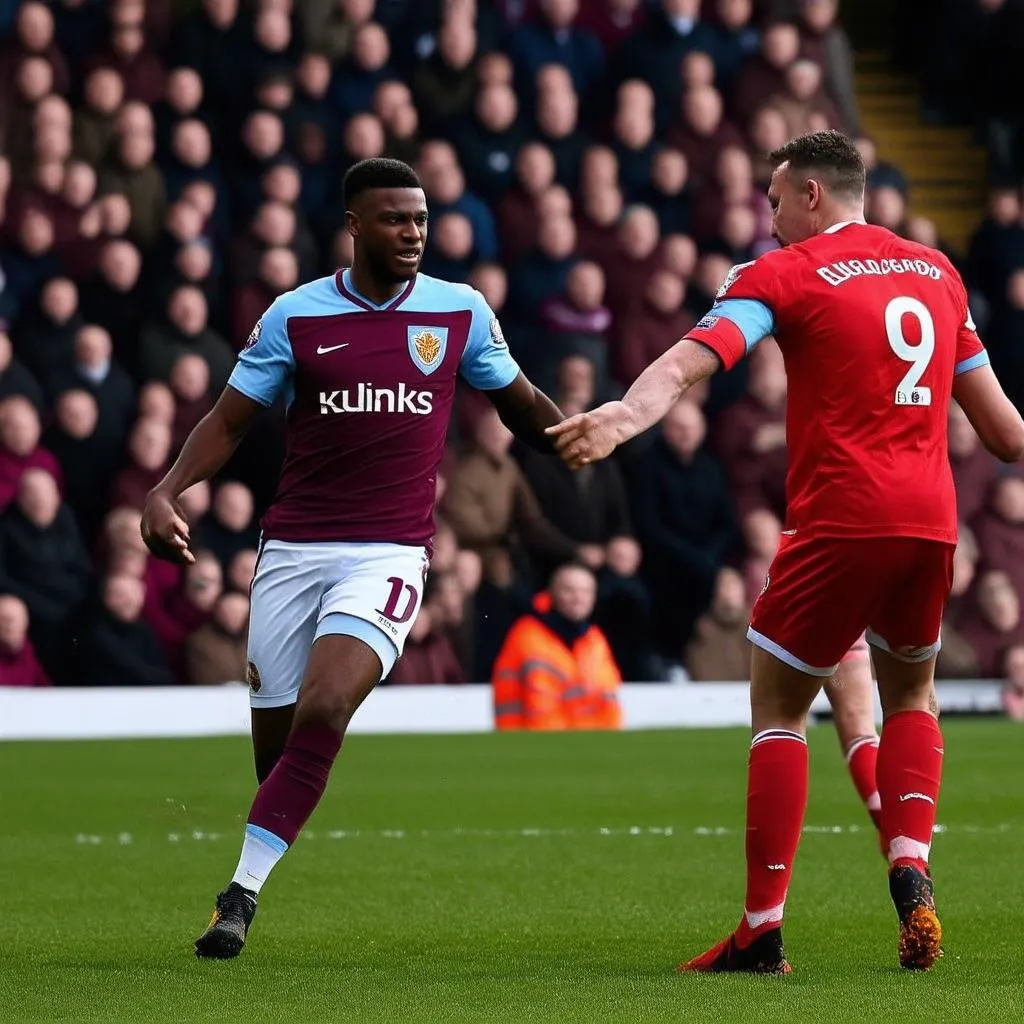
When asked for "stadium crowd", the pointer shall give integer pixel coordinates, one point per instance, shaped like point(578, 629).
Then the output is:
point(593, 167)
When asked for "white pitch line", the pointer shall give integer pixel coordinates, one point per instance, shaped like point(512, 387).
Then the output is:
point(663, 831)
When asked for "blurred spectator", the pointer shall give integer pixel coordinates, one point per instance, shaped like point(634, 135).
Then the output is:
point(555, 669)
point(1004, 336)
point(489, 142)
point(634, 139)
point(577, 322)
point(15, 379)
point(230, 528)
point(33, 36)
point(957, 658)
point(446, 82)
point(134, 174)
point(762, 531)
point(183, 332)
point(656, 52)
point(332, 25)
point(88, 459)
point(701, 133)
point(31, 259)
point(824, 41)
point(555, 39)
point(879, 172)
point(517, 210)
point(179, 610)
point(43, 562)
point(115, 299)
point(765, 75)
point(545, 271)
point(612, 21)
point(653, 329)
point(183, 98)
point(1013, 691)
point(116, 647)
point(241, 570)
point(362, 71)
point(19, 665)
point(149, 447)
point(997, 248)
point(974, 467)
point(278, 273)
point(803, 103)
point(216, 652)
point(557, 115)
point(1000, 530)
point(685, 520)
point(445, 187)
point(598, 225)
point(995, 626)
point(451, 253)
point(737, 39)
point(429, 656)
point(20, 431)
point(490, 504)
point(719, 650)
point(140, 68)
point(635, 262)
point(887, 208)
point(45, 337)
point(190, 385)
point(750, 435)
point(668, 194)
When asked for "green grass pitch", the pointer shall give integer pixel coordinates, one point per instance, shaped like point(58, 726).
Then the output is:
point(489, 878)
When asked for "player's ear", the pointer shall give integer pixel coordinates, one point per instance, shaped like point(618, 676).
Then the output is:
point(352, 223)
point(812, 190)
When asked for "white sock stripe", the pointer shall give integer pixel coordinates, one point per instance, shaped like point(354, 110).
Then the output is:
point(874, 802)
point(756, 918)
point(777, 734)
point(860, 741)
point(905, 848)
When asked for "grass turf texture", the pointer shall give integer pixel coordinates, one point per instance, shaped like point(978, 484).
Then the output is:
point(463, 916)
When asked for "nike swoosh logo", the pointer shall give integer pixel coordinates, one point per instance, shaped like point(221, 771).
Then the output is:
point(322, 351)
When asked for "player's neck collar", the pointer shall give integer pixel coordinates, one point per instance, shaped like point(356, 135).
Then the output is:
point(842, 224)
point(343, 282)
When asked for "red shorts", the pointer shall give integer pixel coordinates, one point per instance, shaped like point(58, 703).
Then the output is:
point(823, 592)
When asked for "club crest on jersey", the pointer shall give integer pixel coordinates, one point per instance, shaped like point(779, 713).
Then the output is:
point(254, 336)
point(427, 346)
point(730, 278)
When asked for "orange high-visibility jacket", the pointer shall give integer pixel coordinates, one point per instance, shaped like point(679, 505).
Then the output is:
point(539, 683)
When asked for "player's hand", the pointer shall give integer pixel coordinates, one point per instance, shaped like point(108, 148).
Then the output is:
point(165, 528)
point(590, 436)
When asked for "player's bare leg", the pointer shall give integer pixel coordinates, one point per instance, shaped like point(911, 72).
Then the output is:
point(341, 672)
point(851, 692)
point(270, 729)
point(909, 776)
point(780, 699)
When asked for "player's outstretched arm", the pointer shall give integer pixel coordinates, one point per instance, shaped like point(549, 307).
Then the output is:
point(209, 446)
point(527, 412)
point(992, 414)
point(592, 436)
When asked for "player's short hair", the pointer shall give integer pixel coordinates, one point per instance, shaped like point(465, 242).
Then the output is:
point(377, 172)
point(830, 155)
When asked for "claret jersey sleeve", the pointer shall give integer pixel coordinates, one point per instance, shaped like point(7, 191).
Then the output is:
point(743, 313)
point(487, 364)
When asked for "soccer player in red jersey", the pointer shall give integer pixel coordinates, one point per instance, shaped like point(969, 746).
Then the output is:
point(877, 340)
point(366, 361)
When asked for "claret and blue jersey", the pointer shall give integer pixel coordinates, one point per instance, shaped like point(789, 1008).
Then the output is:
point(369, 391)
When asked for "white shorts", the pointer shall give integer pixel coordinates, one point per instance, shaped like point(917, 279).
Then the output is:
point(301, 592)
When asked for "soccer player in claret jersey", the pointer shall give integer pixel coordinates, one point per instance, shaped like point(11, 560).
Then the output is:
point(876, 337)
point(366, 361)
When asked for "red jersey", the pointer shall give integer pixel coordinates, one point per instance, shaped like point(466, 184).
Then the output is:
point(873, 328)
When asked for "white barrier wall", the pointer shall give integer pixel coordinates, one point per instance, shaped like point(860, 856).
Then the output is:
point(135, 712)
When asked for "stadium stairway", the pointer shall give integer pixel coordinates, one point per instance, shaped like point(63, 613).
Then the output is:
point(945, 166)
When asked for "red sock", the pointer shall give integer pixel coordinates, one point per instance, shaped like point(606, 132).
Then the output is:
point(909, 774)
point(290, 793)
point(862, 758)
point(776, 801)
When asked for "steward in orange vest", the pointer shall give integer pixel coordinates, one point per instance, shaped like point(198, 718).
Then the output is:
point(555, 669)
